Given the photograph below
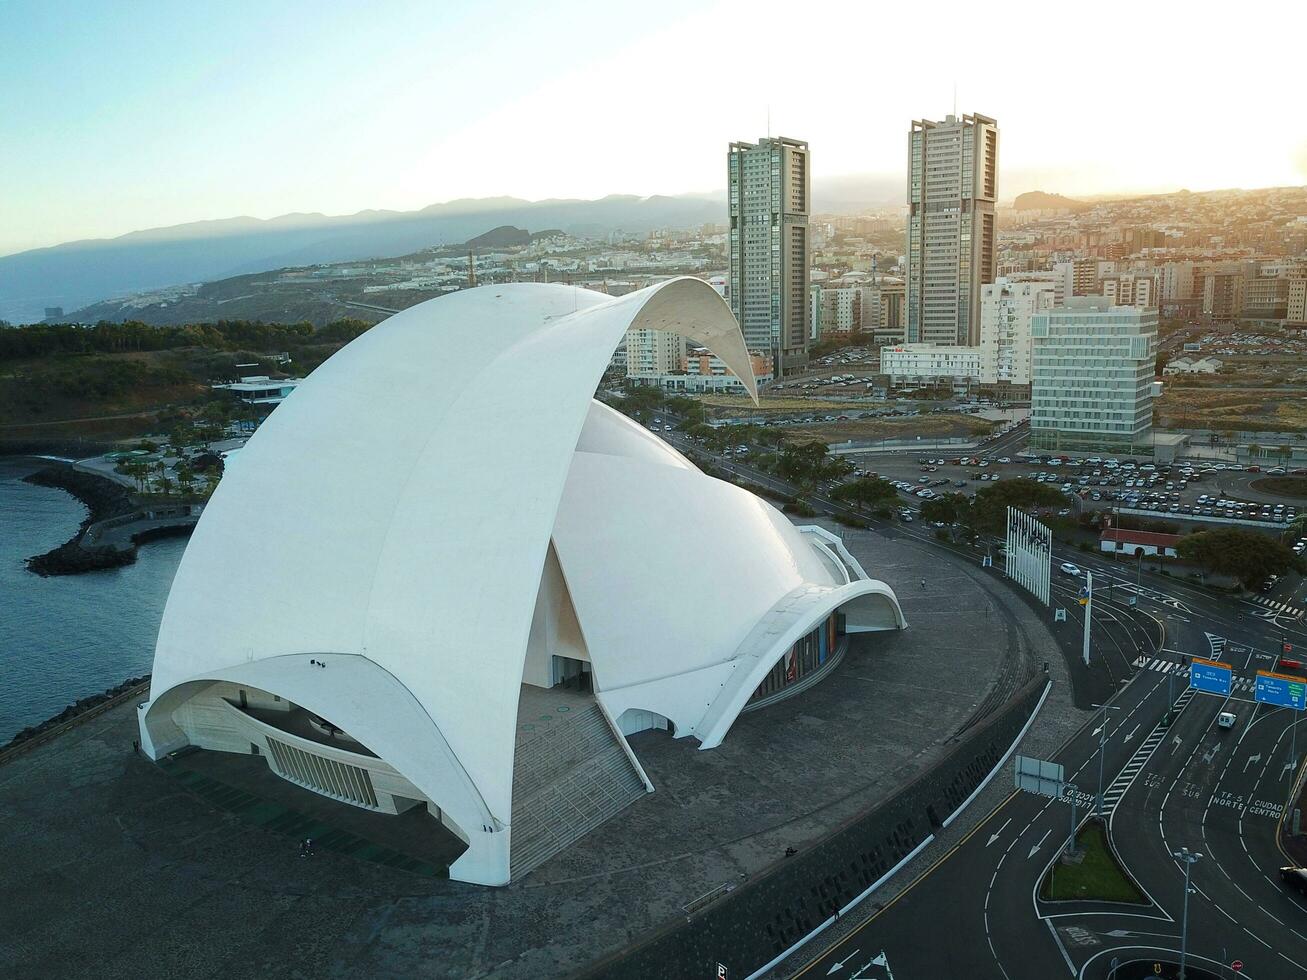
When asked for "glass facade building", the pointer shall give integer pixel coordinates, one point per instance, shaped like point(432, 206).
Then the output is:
point(952, 190)
point(1092, 372)
point(769, 192)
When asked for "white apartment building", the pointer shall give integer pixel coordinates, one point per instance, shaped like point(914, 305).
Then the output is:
point(1297, 303)
point(1006, 310)
point(1091, 377)
point(1176, 280)
point(952, 189)
point(928, 363)
point(1131, 289)
point(843, 309)
point(1053, 279)
point(652, 353)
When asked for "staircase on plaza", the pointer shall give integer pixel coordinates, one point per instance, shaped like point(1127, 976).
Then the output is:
point(568, 778)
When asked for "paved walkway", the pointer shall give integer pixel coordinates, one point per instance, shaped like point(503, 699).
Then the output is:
point(115, 869)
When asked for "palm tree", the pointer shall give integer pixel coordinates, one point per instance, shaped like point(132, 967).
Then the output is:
point(185, 477)
point(137, 470)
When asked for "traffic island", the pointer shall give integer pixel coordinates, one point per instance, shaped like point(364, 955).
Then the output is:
point(1094, 874)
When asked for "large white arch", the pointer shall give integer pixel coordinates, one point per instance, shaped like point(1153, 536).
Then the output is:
point(392, 519)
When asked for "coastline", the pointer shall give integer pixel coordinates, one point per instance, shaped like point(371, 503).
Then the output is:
point(103, 499)
point(76, 711)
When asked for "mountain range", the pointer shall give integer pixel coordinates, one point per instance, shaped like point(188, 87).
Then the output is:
point(76, 274)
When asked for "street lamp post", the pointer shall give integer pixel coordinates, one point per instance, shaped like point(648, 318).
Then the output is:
point(1102, 745)
point(1170, 693)
point(1089, 612)
point(1189, 858)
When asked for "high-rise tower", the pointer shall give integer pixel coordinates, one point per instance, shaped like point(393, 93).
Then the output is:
point(952, 188)
point(770, 194)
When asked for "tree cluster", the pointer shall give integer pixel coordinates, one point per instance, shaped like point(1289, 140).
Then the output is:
point(866, 493)
point(41, 339)
point(1245, 555)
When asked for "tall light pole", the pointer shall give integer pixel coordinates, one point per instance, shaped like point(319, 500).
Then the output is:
point(1089, 610)
point(1189, 858)
point(1102, 745)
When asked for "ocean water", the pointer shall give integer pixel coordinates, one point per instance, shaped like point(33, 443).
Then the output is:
point(68, 637)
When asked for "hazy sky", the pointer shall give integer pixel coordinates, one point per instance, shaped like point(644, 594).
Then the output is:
point(116, 116)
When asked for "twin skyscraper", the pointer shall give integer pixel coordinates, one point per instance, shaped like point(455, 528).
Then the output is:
point(952, 189)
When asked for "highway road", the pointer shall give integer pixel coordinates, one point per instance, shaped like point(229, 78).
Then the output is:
point(976, 912)
point(1221, 792)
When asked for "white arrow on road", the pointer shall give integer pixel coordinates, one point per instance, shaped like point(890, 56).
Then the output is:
point(1122, 933)
point(1132, 733)
point(836, 967)
point(1097, 730)
point(874, 961)
point(994, 836)
point(1252, 760)
point(1036, 848)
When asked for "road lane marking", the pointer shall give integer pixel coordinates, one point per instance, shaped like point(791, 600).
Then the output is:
point(996, 833)
point(1036, 848)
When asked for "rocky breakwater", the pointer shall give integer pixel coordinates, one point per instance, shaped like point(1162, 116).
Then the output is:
point(115, 523)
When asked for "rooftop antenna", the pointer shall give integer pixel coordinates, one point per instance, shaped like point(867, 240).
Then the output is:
point(769, 120)
point(955, 98)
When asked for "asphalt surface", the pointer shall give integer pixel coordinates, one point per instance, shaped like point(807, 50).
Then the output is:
point(1219, 792)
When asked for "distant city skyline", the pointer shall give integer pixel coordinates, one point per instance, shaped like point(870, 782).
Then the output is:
point(119, 120)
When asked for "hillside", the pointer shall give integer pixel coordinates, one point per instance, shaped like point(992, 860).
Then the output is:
point(1043, 201)
point(121, 380)
point(79, 273)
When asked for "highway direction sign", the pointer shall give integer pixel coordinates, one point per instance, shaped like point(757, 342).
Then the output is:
point(1283, 690)
point(1039, 776)
point(1210, 676)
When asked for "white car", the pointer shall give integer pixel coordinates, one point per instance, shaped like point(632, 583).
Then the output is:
point(1069, 569)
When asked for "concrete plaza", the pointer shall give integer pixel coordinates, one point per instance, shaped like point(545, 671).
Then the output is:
point(115, 868)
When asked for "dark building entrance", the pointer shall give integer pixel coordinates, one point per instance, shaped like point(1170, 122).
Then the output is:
point(573, 675)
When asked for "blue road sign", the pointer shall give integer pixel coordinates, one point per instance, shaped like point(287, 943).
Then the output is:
point(1283, 690)
point(1210, 677)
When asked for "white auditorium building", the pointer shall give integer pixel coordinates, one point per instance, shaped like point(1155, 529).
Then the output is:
point(441, 530)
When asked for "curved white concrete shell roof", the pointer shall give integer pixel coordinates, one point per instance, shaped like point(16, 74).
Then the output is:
point(410, 512)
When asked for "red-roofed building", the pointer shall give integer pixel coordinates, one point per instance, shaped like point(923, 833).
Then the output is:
point(1126, 541)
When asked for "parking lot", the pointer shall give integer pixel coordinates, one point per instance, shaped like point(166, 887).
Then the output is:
point(1179, 492)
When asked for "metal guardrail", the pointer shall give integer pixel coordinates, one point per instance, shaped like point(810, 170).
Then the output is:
point(710, 896)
